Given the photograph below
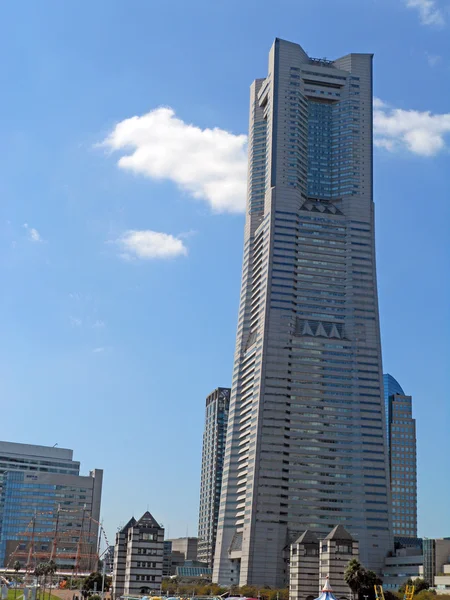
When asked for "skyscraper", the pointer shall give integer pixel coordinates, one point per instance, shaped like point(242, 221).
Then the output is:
point(216, 419)
point(402, 457)
point(306, 440)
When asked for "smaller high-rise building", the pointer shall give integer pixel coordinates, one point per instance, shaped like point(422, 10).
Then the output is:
point(335, 552)
point(120, 559)
point(214, 437)
point(402, 453)
point(436, 561)
point(167, 559)
point(313, 561)
point(138, 558)
point(304, 567)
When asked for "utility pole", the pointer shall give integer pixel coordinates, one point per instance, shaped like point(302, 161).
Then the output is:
point(103, 579)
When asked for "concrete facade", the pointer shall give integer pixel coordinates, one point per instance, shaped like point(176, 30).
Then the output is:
point(186, 546)
point(336, 551)
point(406, 564)
point(312, 561)
point(120, 559)
point(436, 556)
point(213, 451)
point(306, 440)
point(138, 558)
point(304, 567)
point(402, 450)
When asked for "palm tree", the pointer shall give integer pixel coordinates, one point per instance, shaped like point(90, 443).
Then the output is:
point(38, 573)
point(51, 570)
point(16, 567)
point(355, 576)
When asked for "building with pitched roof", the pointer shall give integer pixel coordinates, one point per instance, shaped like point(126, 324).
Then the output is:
point(336, 551)
point(313, 560)
point(304, 567)
point(138, 557)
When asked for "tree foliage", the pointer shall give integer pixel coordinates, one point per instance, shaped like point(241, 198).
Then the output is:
point(89, 584)
point(361, 581)
point(176, 587)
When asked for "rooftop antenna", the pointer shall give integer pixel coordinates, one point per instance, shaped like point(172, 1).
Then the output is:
point(54, 445)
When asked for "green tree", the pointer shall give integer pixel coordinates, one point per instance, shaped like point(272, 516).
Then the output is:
point(39, 573)
point(51, 569)
point(355, 576)
point(420, 584)
point(16, 567)
point(91, 580)
point(371, 579)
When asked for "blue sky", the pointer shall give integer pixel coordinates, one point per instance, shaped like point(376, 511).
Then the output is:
point(121, 240)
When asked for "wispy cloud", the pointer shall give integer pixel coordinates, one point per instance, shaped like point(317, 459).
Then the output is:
point(429, 11)
point(209, 164)
point(98, 350)
point(33, 234)
point(75, 321)
point(98, 324)
point(433, 59)
point(148, 244)
point(422, 133)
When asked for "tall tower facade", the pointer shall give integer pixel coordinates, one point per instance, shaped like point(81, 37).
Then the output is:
point(216, 420)
point(306, 441)
point(402, 457)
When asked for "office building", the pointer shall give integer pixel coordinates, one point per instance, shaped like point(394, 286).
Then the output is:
point(185, 546)
point(313, 561)
point(138, 558)
point(47, 509)
point(181, 550)
point(413, 558)
point(29, 457)
point(51, 516)
point(404, 564)
point(306, 439)
point(402, 458)
point(436, 562)
point(216, 419)
point(168, 570)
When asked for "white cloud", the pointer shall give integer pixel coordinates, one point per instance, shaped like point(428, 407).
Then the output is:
point(209, 164)
point(433, 59)
point(421, 133)
point(429, 12)
point(148, 244)
point(75, 321)
point(33, 234)
point(98, 350)
point(98, 324)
